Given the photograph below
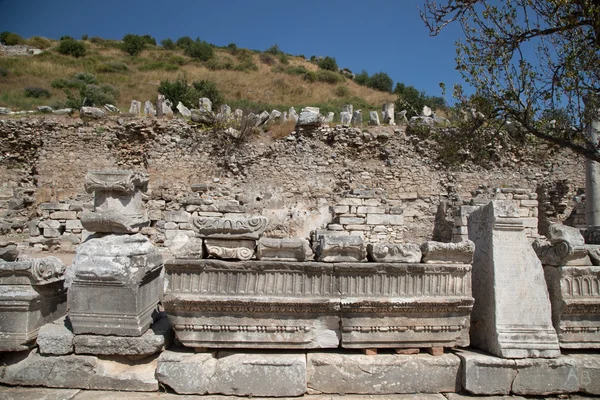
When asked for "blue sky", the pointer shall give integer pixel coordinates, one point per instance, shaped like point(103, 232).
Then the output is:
point(385, 35)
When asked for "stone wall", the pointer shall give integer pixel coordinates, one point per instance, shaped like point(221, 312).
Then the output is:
point(19, 50)
point(302, 181)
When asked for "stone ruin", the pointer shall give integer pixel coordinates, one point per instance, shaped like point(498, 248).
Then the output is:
point(491, 318)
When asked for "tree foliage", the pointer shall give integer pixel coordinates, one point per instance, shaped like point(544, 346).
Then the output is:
point(133, 44)
point(527, 58)
point(328, 63)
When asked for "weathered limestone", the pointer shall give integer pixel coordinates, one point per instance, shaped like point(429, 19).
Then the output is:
point(511, 317)
point(388, 114)
point(115, 285)
point(238, 249)
point(588, 372)
point(374, 118)
point(484, 374)
point(136, 107)
point(309, 118)
point(283, 250)
point(404, 305)
point(184, 246)
point(92, 112)
point(251, 304)
point(228, 228)
point(32, 294)
point(345, 118)
point(117, 201)
point(205, 104)
point(394, 252)
point(437, 252)
point(592, 177)
point(56, 338)
point(76, 371)
point(149, 109)
point(241, 374)
point(8, 251)
point(333, 248)
point(183, 110)
point(357, 118)
point(382, 374)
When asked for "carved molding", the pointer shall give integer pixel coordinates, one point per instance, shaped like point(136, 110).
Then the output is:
point(224, 228)
point(120, 181)
point(41, 271)
point(245, 307)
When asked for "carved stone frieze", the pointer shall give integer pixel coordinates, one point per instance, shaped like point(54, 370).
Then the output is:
point(575, 297)
point(113, 222)
point(438, 252)
point(237, 249)
point(394, 252)
point(332, 248)
point(32, 293)
point(118, 181)
point(283, 249)
point(228, 228)
point(561, 253)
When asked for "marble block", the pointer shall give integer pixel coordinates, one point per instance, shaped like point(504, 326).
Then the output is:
point(252, 304)
point(438, 252)
point(575, 298)
point(332, 248)
point(511, 317)
point(115, 285)
point(404, 305)
point(394, 252)
point(270, 249)
point(118, 206)
point(236, 249)
point(32, 293)
point(229, 228)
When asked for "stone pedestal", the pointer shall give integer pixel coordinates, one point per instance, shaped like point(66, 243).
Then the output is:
point(115, 285)
point(32, 294)
point(249, 304)
point(512, 316)
point(404, 305)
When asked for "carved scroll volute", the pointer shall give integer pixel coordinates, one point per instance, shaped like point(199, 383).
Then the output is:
point(119, 181)
point(223, 227)
point(47, 270)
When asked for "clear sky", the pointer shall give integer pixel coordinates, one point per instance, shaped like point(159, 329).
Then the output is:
point(383, 35)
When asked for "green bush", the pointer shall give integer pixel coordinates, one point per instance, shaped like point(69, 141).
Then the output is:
point(232, 47)
point(3, 72)
point(327, 76)
point(200, 50)
point(342, 91)
point(215, 65)
point(84, 36)
point(158, 65)
point(184, 42)
point(83, 89)
point(97, 40)
point(328, 63)
point(39, 42)
point(113, 67)
point(168, 44)
point(36, 92)
point(310, 76)
point(133, 44)
point(149, 40)
point(381, 81)
point(181, 91)
point(284, 59)
point(267, 58)
point(362, 78)
point(11, 39)
point(297, 70)
point(71, 47)
point(206, 88)
point(274, 50)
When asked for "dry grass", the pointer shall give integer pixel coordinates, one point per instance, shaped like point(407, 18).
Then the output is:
point(261, 86)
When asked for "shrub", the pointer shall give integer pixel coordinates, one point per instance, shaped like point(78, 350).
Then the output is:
point(133, 44)
point(200, 50)
point(328, 63)
point(273, 50)
point(66, 37)
point(297, 70)
point(329, 76)
point(84, 36)
point(184, 42)
point(113, 67)
point(362, 78)
point(342, 91)
point(177, 91)
point(208, 89)
point(83, 89)
point(267, 58)
point(214, 64)
point(158, 65)
point(39, 42)
point(149, 40)
point(3, 72)
point(283, 59)
point(244, 56)
point(71, 47)
point(232, 47)
point(380, 81)
point(97, 40)
point(168, 44)
point(36, 92)
point(310, 76)
point(11, 39)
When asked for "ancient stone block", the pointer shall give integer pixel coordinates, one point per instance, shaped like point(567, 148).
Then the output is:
point(404, 305)
point(437, 252)
point(283, 249)
point(374, 118)
point(394, 252)
point(560, 254)
point(233, 374)
point(156, 339)
point(32, 294)
point(251, 304)
point(118, 204)
point(228, 228)
point(484, 374)
point(512, 315)
point(575, 303)
point(237, 249)
point(385, 219)
point(63, 215)
point(56, 338)
point(184, 246)
point(115, 285)
point(340, 248)
point(588, 372)
point(136, 107)
point(76, 371)
point(8, 251)
point(382, 374)
point(388, 113)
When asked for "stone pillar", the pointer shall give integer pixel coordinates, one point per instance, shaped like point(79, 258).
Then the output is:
point(115, 276)
point(592, 178)
point(512, 315)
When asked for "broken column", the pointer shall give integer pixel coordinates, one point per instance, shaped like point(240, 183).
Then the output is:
point(32, 294)
point(512, 316)
point(115, 276)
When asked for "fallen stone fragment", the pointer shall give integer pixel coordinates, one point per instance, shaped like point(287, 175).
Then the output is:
point(437, 252)
point(283, 249)
point(394, 252)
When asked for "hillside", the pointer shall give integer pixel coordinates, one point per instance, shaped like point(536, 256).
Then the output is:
point(246, 79)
